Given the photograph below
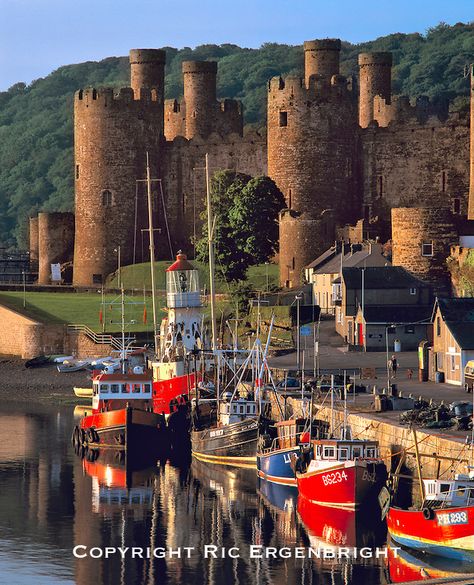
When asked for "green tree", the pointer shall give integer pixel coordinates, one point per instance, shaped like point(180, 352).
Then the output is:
point(246, 222)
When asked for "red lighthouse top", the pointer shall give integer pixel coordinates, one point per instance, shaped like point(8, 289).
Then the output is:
point(181, 263)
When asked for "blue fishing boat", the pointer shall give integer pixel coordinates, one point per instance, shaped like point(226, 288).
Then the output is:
point(275, 455)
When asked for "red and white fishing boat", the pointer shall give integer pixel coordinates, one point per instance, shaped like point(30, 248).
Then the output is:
point(342, 473)
point(122, 416)
point(444, 525)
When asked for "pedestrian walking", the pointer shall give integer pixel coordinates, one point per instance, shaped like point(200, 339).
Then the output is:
point(394, 366)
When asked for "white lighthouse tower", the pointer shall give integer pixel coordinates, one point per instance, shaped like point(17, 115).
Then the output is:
point(181, 331)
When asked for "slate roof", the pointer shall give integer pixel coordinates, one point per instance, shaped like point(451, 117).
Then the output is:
point(330, 262)
point(458, 314)
point(396, 314)
point(380, 277)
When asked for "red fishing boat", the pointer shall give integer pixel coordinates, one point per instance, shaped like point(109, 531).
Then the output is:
point(444, 525)
point(342, 473)
point(122, 416)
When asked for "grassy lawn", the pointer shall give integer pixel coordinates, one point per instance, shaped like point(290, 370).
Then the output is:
point(137, 276)
point(83, 308)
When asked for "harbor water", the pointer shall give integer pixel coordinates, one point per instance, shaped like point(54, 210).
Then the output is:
point(61, 515)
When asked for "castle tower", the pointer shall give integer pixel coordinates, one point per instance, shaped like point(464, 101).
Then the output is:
point(375, 80)
point(311, 153)
point(200, 97)
point(471, 176)
point(33, 246)
point(147, 69)
point(113, 131)
point(321, 57)
point(55, 242)
point(421, 241)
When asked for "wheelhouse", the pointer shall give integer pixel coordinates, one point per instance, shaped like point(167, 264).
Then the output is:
point(128, 387)
point(452, 492)
point(291, 433)
point(237, 410)
point(342, 450)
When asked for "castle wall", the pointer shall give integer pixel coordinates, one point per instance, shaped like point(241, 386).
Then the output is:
point(415, 163)
point(184, 180)
point(55, 242)
point(414, 227)
point(34, 243)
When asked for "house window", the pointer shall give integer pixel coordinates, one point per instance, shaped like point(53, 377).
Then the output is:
point(413, 291)
point(457, 205)
point(106, 198)
point(97, 279)
point(77, 171)
point(438, 326)
point(453, 363)
point(409, 329)
point(293, 263)
point(283, 119)
point(427, 249)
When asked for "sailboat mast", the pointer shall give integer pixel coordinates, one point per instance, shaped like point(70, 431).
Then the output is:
point(210, 235)
point(152, 251)
point(122, 303)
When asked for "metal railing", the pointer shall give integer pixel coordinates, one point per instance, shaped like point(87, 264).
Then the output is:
point(102, 338)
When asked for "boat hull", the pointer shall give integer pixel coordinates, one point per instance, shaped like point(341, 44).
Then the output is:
point(275, 466)
point(449, 533)
point(346, 485)
point(131, 429)
point(234, 444)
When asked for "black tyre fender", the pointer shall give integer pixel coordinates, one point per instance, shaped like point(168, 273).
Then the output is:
point(428, 513)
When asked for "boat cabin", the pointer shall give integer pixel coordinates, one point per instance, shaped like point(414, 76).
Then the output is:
point(291, 433)
point(345, 450)
point(109, 389)
point(237, 410)
point(454, 492)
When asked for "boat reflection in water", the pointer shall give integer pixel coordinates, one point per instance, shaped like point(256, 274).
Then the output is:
point(335, 531)
point(410, 565)
point(115, 482)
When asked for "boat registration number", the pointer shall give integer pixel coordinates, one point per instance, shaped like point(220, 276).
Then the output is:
point(450, 518)
point(336, 477)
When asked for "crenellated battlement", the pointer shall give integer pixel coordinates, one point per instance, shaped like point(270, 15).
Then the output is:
point(402, 110)
point(105, 96)
point(317, 87)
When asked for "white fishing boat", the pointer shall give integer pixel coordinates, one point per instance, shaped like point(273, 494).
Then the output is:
point(73, 366)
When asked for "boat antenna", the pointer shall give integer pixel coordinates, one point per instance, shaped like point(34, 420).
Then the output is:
point(210, 237)
point(152, 251)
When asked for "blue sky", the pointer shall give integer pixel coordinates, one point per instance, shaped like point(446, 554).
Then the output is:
point(37, 36)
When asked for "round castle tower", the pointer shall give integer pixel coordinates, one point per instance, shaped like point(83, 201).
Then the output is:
point(421, 241)
point(113, 131)
point(55, 242)
point(200, 97)
point(33, 238)
point(311, 143)
point(375, 79)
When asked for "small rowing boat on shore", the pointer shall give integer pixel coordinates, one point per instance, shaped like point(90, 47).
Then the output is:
point(83, 392)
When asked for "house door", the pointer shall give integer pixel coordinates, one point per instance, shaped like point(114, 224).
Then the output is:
point(360, 336)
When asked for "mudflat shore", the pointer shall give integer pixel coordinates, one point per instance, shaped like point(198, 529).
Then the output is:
point(39, 384)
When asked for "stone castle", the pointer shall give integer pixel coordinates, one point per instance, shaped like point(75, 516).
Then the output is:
point(342, 151)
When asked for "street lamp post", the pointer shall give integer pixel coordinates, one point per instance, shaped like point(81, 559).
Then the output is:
point(24, 288)
point(118, 267)
point(298, 338)
point(392, 326)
